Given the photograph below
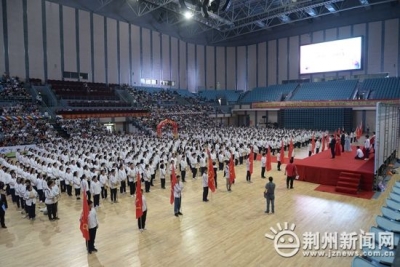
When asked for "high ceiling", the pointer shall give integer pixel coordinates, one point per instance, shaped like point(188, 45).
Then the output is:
point(238, 22)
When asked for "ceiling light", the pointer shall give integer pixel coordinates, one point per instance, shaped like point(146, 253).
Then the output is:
point(311, 12)
point(188, 14)
point(331, 8)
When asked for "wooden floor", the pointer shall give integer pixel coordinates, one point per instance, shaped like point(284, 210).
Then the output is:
point(227, 231)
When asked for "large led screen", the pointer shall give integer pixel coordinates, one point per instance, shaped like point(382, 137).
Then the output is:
point(331, 56)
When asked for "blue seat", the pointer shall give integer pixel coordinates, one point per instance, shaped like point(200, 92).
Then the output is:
point(396, 190)
point(390, 214)
point(377, 230)
point(388, 225)
point(394, 197)
point(393, 204)
point(360, 262)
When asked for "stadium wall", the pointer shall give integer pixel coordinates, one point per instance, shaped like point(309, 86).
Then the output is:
point(40, 39)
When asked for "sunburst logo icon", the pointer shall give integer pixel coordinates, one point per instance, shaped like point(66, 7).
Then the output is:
point(286, 242)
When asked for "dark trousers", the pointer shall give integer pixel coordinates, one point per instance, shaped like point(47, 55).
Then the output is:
point(316, 150)
point(78, 193)
point(309, 153)
point(92, 238)
point(215, 177)
point(202, 170)
point(96, 200)
point(177, 205)
point(131, 188)
point(262, 172)
point(89, 195)
point(183, 175)
point(62, 185)
point(333, 152)
point(289, 181)
point(147, 186)
point(51, 211)
point(221, 165)
point(141, 222)
point(12, 193)
point(69, 190)
point(367, 153)
point(32, 211)
point(103, 192)
point(22, 201)
point(17, 201)
point(248, 176)
point(205, 193)
point(342, 143)
point(279, 165)
point(153, 176)
point(2, 220)
point(162, 183)
point(270, 202)
point(255, 156)
point(194, 172)
point(113, 194)
point(122, 188)
point(241, 160)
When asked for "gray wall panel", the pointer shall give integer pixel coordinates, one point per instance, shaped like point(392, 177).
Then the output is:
point(69, 33)
point(112, 51)
point(191, 68)
point(165, 72)
point(156, 56)
point(283, 60)
point(220, 60)
point(174, 61)
point(99, 57)
point(53, 41)
point(146, 68)
point(125, 72)
point(15, 38)
point(230, 68)
point(201, 84)
point(135, 42)
point(210, 68)
point(182, 66)
point(85, 53)
point(2, 52)
point(35, 39)
point(262, 65)
point(294, 57)
point(344, 32)
point(272, 57)
point(374, 47)
point(252, 67)
point(360, 30)
point(241, 68)
point(391, 47)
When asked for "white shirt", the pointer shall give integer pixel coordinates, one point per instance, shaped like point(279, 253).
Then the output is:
point(360, 154)
point(367, 143)
point(144, 203)
point(178, 189)
point(92, 219)
point(95, 188)
point(205, 179)
point(30, 197)
point(263, 161)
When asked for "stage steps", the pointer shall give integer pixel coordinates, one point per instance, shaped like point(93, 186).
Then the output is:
point(348, 183)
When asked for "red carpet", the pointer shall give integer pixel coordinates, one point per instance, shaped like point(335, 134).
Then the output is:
point(321, 169)
point(331, 189)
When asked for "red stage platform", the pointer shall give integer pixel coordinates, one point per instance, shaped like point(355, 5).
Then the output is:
point(321, 169)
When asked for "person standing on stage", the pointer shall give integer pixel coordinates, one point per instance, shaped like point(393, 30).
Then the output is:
point(291, 173)
point(142, 219)
point(367, 146)
point(332, 146)
point(178, 196)
point(343, 140)
point(269, 195)
point(317, 146)
point(359, 153)
point(263, 164)
point(93, 225)
point(310, 150)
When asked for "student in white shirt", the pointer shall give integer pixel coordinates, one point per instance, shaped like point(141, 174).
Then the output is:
point(227, 178)
point(183, 166)
point(367, 146)
point(104, 184)
point(317, 146)
point(248, 173)
point(278, 158)
point(50, 201)
point(142, 219)
point(263, 164)
point(122, 179)
point(30, 201)
point(205, 185)
point(95, 189)
point(131, 179)
point(310, 150)
point(359, 153)
point(162, 175)
point(93, 224)
point(69, 181)
point(114, 183)
point(85, 186)
point(146, 178)
point(77, 185)
point(178, 196)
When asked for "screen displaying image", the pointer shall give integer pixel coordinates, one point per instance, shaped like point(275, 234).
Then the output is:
point(331, 56)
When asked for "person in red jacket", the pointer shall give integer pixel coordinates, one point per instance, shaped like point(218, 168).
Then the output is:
point(291, 173)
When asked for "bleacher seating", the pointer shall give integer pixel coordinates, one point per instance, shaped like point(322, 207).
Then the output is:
point(332, 90)
point(213, 95)
point(104, 103)
point(184, 93)
point(270, 93)
point(384, 88)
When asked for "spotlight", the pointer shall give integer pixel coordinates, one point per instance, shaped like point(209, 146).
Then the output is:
point(188, 14)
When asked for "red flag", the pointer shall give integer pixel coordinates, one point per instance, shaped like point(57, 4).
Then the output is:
point(251, 160)
point(84, 218)
point(211, 180)
point(313, 144)
point(269, 165)
point(323, 142)
point(173, 183)
point(290, 149)
point(138, 200)
point(232, 175)
point(282, 153)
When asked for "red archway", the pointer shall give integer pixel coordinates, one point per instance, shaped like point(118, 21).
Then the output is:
point(167, 121)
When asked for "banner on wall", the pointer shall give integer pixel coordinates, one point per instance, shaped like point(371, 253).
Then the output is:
point(20, 118)
point(322, 104)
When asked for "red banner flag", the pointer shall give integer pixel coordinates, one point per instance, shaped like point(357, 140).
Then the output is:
point(323, 142)
point(282, 153)
point(313, 144)
point(84, 217)
point(173, 183)
point(290, 149)
point(139, 200)
point(211, 180)
point(269, 165)
point(232, 175)
point(251, 160)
